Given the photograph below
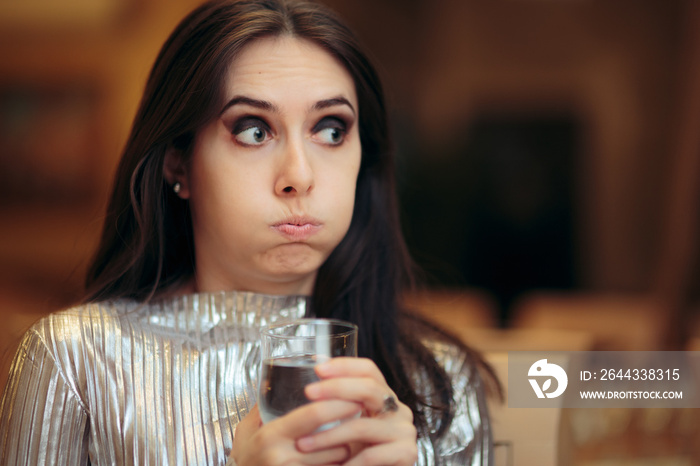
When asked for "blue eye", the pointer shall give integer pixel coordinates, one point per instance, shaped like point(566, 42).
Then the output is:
point(331, 136)
point(251, 131)
point(252, 136)
point(330, 131)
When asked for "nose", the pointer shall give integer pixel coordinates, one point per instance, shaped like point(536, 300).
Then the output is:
point(295, 175)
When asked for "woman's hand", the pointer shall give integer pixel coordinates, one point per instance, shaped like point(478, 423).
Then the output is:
point(274, 443)
point(378, 438)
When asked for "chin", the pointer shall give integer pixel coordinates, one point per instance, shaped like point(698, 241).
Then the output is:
point(296, 260)
point(298, 281)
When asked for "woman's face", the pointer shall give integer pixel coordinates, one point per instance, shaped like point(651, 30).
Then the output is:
point(271, 181)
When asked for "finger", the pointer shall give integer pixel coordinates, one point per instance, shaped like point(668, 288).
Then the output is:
point(373, 395)
point(244, 432)
point(253, 416)
point(334, 455)
point(247, 426)
point(361, 390)
point(349, 367)
point(272, 444)
point(361, 430)
point(386, 454)
point(368, 387)
point(309, 417)
point(286, 453)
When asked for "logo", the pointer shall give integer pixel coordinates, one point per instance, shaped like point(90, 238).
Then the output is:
point(543, 369)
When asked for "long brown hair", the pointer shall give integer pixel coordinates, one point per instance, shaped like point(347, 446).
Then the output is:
point(146, 246)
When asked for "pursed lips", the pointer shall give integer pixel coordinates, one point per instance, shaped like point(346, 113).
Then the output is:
point(297, 229)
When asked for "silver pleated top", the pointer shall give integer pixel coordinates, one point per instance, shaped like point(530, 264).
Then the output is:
point(166, 383)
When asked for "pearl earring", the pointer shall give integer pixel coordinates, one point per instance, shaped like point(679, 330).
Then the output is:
point(176, 187)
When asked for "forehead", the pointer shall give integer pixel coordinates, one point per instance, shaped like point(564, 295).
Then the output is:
point(290, 68)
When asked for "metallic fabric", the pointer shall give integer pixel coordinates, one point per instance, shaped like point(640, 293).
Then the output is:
point(468, 440)
point(166, 383)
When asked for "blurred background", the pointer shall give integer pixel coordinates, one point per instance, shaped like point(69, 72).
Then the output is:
point(549, 159)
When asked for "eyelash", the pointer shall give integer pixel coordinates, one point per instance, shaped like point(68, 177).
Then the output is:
point(333, 122)
point(328, 122)
point(246, 123)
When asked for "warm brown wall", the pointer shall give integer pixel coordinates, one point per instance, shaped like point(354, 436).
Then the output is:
point(614, 64)
point(46, 236)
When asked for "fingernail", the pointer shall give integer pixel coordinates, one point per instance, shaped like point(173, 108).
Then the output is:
point(305, 443)
point(322, 369)
point(312, 391)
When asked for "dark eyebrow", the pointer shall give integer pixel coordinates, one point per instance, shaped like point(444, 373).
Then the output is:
point(321, 104)
point(261, 104)
point(265, 105)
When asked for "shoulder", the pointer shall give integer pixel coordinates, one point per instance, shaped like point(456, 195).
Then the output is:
point(70, 336)
point(77, 323)
point(63, 342)
point(460, 363)
point(449, 355)
point(463, 437)
point(452, 355)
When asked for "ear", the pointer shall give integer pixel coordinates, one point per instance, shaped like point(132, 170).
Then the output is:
point(175, 171)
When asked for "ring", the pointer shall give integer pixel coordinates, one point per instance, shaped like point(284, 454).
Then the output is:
point(389, 405)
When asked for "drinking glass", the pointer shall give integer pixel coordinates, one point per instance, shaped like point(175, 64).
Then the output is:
point(289, 353)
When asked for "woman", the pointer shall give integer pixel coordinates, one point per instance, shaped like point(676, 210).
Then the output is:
point(256, 185)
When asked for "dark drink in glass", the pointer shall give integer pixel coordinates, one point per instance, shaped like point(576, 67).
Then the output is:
point(290, 351)
point(282, 384)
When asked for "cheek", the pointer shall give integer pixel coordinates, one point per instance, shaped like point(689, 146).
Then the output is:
point(345, 188)
point(220, 197)
point(228, 204)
